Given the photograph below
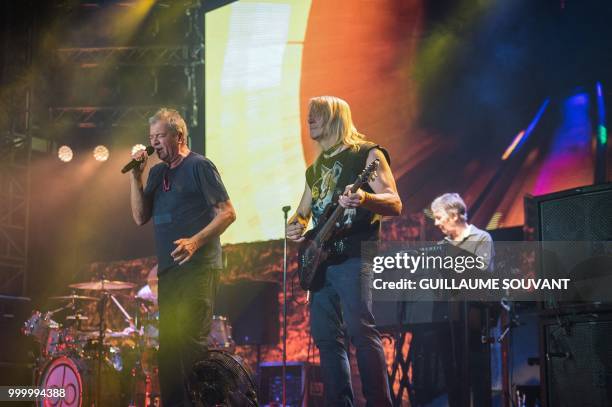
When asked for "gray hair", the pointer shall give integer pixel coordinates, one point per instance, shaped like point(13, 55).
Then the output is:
point(451, 203)
point(172, 118)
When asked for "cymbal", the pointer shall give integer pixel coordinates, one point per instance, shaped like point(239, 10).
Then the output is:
point(73, 297)
point(77, 317)
point(103, 285)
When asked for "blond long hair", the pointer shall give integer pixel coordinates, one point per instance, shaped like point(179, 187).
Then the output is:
point(336, 115)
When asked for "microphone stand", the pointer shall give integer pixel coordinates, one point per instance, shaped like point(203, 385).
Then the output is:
point(284, 378)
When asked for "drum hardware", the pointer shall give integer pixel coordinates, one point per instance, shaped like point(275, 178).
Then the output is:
point(103, 285)
point(74, 297)
point(102, 329)
point(126, 316)
point(113, 356)
point(91, 356)
point(72, 304)
point(77, 317)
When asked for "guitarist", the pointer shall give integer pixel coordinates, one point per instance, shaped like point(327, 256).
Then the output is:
point(343, 302)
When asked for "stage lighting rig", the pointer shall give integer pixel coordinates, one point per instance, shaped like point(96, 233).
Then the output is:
point(65, 154)
point(101, 153)
point(137, 148)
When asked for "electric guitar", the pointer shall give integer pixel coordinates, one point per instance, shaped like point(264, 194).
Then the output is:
point(315, 249)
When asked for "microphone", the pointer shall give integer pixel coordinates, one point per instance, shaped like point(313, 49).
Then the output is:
point(134, 163)
point(286, 209)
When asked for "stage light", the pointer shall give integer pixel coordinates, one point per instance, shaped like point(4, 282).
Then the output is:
point(494, 221)
point(602, 132)
point(137, 148)
point(523, 135)
point(513, 145)
point(65, 154)
point(101, 153)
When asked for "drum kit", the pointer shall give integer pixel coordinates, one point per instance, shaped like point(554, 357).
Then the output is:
point(99, 366)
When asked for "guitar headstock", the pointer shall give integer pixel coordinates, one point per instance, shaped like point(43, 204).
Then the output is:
point(369, 173)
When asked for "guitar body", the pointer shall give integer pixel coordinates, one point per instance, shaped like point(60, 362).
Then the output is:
point(311, 262)
point(322, 243)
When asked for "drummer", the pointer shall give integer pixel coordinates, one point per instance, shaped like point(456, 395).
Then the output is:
point(149, 291)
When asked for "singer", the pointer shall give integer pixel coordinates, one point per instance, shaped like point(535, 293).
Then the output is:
point(190, 208)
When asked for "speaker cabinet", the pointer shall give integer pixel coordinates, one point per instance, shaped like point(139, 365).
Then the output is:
point(582, 216)
point(304, 385)
point(578, 360)
point(574, 215)
point(576, 357)
point(15, 347)
point(253, 311)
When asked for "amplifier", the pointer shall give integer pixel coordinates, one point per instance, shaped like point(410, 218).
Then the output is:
point(304, 385)
point(15, 347)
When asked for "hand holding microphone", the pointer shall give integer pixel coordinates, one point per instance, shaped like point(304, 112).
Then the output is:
point(138, 159)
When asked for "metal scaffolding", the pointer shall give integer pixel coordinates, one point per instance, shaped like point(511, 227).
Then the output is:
point(18, 85)
point(186, 55)
point(103, 116)
point(130, 56)
point(15, 154)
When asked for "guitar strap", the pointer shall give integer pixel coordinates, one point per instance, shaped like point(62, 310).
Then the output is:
point(364, 150)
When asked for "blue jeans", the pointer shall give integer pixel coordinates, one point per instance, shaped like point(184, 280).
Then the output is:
point(344, 304)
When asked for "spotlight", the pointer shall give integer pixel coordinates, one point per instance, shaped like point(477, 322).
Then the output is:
point(101, 153)
point(137, 148)
point(65, 154)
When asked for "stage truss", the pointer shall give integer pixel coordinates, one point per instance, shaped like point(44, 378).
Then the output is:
point(15, 153)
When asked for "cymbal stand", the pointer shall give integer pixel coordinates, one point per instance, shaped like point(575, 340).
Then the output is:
point(101, 332)
point(77, 313)
point(284, 378)
point(137, 372)
point(126, 316)
point(60, 309)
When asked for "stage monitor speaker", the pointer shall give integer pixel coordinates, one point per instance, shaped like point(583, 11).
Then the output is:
point(391, 316)
point(304, 384)
point(253, 311)
point(578, 361)
point(15, 347)
point(580, 215)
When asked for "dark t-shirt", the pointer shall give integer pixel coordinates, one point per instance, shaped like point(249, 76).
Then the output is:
point(185, 208)
point(327, 178)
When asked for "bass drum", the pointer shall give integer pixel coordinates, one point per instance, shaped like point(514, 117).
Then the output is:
point(78, 378)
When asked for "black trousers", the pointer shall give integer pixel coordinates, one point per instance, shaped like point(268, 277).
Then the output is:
point(186, 296)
